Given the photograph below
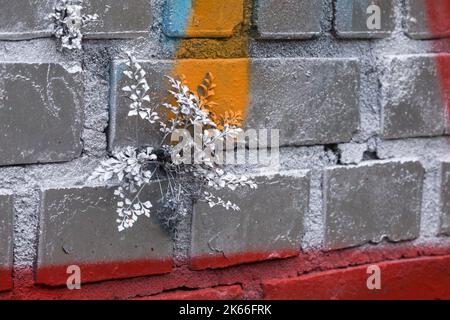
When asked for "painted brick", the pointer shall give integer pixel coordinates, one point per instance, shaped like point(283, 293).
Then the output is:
point(311, 101)
point(352, 18)
point(422, 278)
point(202, 18)
point(372, 202)
point(413, 100)
point(325, 106)
point(24, 19)
point(78, 228)
point(118, 19)
point(298, 19)
point(123, 130)
point(217, 293)
point(428, 19)
point(445, 199)
point(41, 112)
point(268, 226)
point(6, 242)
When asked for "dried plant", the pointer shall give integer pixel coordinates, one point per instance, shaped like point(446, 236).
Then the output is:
point(68, 22)
point(136, 168)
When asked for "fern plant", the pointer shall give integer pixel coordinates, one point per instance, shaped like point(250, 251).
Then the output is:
point(167, 163)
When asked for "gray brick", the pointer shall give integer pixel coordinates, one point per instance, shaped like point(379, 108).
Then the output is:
point(372, 202)
point(118, 19)
point(269, 224)
point(412, 102)
point(78, 227)
point(25, 19)
point(311, 101)
point(352, 18)
point(6, 241)
point(293, 19)
point(41, 111)
point(428, 19)
point(124, 130)
point(445, 199)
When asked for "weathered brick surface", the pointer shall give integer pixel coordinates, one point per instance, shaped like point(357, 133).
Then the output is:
point(445, 198)
point(217, 293)
point(283, 92)
point(428, 19)
point(231, 90)
point(24, 19)
point(6, 241)
point(202, 18)
point(280, 90)
point(424, 278)
point(124, 130)
point(352, 18)
point(269, 224)
point(413, 99)
point(372, 202)
point(78, 227)
point(118, 19)
point(41, 111)
point(299, 19)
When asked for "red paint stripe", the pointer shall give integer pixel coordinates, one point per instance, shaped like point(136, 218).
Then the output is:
point(6, 282)
point(443, 67)
point(425, 278)
point(222, 261)
point(219, 293)
point(57, 275)
point(249, 275)
point(438, 16)
point(438, 13)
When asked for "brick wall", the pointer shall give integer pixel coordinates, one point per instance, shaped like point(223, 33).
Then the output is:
point(365, 157)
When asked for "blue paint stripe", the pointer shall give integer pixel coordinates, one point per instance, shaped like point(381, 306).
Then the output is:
point(176, 17)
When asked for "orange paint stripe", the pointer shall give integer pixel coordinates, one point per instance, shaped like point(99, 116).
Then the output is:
point(232, 76)
point(214, 18)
